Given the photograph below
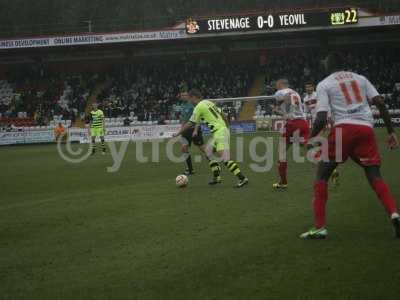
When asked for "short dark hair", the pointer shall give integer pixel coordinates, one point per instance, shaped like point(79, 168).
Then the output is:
point(195, 93)
point(309, 83)
point(335, 61)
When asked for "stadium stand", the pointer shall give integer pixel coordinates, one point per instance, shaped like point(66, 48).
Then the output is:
point(6, 96)
point(43, 101)
point(147, 93)
point(380, 66)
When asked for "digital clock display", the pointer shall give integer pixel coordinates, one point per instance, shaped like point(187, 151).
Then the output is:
point(344, 17)
point(270, 22)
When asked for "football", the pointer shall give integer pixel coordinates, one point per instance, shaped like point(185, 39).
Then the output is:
point(182, 181)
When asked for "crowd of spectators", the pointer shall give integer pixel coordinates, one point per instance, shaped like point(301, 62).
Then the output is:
point(151, 92)
point(381, 66)
point(41, 96)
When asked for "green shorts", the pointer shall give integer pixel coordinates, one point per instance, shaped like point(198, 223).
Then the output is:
point(221, 139)
point(97, 132)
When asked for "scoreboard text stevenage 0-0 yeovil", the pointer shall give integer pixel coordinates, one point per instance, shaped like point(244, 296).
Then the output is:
point(277, 21)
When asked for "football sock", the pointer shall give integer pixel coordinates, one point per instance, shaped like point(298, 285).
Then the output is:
point(382, 191)
point(93, 147)
point(215, 168)
point(189, 162)
point(282, 168)
point(103, 146)
point(234, 169)
point(319, 203)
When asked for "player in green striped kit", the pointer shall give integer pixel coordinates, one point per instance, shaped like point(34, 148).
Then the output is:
point(208, 113)
point(97, 128)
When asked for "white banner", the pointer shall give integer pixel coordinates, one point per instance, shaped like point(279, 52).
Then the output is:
point(82, 135)
point(92, 39)
point(134, 133)
point(26, 137)
point(11, 138)
point(389, 20)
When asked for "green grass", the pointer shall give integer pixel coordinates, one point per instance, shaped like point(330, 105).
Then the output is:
point(78, 232)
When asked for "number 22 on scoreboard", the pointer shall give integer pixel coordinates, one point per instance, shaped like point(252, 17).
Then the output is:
point(351, 16)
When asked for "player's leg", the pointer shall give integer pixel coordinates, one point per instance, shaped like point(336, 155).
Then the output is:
point(93, 145)
point(233, 167)
point(188, 159)
point(366, 154)
point(209, 151)
point(213, 164)
point(186, 143)
point(296, 131)
point(223, 153)
point(93, 137)
point(382, 190)
point(335, 177)
point(325, 170)
point(283, 146)
point(185, 149)
point(103, 143)
point(216, 172)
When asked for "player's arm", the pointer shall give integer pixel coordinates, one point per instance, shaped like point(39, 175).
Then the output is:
point(276, 110)
point(225, 118)
point(185, 127)
point(375, 98)
point(307, 111)
point(104, 122)
point(379, 102)
point(282, 99)
point(196, 130)
point(323, 107)
point(320, 123)
point(88, 122)
point(275, 107)
point(195, 119)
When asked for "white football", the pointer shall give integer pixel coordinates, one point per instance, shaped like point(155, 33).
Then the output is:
point(182, 181)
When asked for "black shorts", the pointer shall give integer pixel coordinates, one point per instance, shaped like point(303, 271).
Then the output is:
point(188, 139)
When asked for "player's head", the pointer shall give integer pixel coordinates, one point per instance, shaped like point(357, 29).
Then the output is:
point(59, 125)
point(95, 106)
point(282, 83)
point(334, 62)
point(194, 96)
point(184, 96)
point(309, 86)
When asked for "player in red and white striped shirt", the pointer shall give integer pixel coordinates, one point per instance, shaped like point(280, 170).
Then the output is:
point(348, 96)
point(289, 105)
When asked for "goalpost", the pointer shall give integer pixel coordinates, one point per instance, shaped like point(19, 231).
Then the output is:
point(242, 99)
point(263, 116)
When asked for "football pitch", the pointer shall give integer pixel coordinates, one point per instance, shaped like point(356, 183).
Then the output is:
point(76, 231)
